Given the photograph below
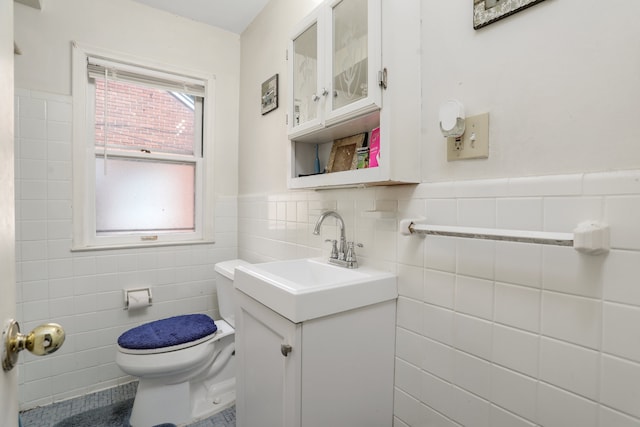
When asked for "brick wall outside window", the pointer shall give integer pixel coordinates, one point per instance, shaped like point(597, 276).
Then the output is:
point(143, 118)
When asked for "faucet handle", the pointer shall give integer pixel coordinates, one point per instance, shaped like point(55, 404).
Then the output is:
point(351, 251)
point(334, 248)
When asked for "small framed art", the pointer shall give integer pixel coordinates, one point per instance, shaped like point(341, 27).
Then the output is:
point(343, 153)
point(269, 98)
point(486, 12)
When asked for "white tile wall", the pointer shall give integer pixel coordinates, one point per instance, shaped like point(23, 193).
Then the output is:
point(571, 367)
point(83, 291)
point(494, 333)
point(622, 211)
point(514, 392)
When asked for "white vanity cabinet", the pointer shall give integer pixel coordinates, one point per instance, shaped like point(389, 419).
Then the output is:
point(354, 65)
point(335, 370)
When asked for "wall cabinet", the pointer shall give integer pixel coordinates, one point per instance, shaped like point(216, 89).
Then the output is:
point(334, 62)
point(330, 371)
point(354, 65)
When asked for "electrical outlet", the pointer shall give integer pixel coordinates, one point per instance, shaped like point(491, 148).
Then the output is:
point(474, 144)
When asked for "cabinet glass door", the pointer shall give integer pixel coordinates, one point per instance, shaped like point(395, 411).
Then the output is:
point(350, 52)
point(306, 100)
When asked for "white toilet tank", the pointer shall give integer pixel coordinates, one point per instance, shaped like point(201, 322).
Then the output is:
point(224, 287)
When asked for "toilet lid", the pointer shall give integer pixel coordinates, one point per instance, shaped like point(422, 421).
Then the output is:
point(173, 331)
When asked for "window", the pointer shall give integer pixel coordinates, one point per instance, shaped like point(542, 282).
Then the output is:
point(142, 155)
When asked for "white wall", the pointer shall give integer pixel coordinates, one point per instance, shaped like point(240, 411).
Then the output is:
point(263, 165)
point(135, 29)
point(83, 291)
point(575, 64)
point(488, 334)
point(560, 80)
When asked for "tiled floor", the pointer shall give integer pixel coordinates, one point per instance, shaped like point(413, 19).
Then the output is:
point(107, 407)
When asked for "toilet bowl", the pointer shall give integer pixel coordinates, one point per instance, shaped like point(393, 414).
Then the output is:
point(185, 364)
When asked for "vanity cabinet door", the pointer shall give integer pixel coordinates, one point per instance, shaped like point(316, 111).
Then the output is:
point(269, 366)
point(342, 377)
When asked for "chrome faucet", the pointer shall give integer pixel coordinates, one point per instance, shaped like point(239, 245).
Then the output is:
point(339, 255)
point(337, 216)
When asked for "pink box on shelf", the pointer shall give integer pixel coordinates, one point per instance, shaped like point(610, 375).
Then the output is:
point(374, 148)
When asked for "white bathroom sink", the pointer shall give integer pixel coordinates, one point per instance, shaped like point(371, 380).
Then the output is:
point(305, 289)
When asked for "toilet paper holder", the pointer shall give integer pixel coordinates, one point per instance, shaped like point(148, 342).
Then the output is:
point(137, 298)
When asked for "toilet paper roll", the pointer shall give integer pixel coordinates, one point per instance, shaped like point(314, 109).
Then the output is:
point(138, 298)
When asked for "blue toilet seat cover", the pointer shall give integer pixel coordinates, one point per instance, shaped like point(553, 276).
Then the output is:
point(168, 332)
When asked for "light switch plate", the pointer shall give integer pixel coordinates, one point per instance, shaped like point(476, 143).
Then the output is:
point(474, 144)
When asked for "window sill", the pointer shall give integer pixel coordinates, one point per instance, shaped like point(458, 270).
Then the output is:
point(139, 245)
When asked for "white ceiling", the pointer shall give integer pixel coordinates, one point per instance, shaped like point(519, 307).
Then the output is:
point(231, 15)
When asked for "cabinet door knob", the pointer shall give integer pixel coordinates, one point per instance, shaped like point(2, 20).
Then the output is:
point(315, 98)
point(285, 349)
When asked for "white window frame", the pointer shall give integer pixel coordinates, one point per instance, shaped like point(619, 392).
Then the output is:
point(84, 155)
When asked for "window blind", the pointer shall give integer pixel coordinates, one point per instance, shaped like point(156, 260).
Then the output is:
point(117, 71)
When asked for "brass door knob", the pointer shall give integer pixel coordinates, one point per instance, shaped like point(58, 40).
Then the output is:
point(44, 339)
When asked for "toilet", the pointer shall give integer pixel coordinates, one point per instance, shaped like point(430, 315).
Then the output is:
point(185, 364)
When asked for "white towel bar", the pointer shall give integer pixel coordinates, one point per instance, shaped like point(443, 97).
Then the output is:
point(589, 237)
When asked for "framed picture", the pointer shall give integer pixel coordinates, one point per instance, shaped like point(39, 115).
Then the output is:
point(486, 12)
point(270, 95)
point(343, 153)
